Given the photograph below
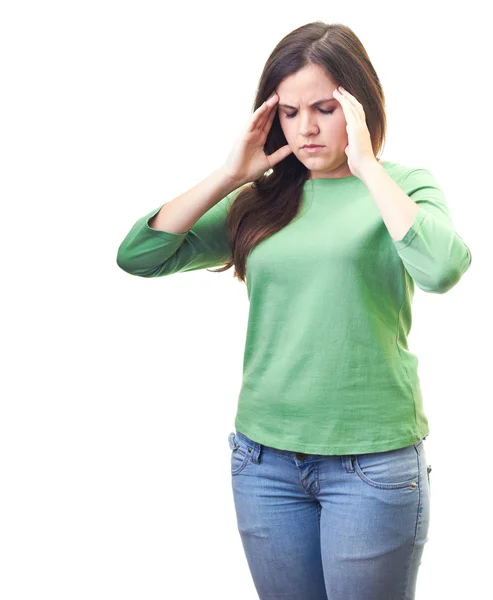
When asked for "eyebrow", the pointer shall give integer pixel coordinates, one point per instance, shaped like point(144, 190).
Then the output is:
point(314, 104)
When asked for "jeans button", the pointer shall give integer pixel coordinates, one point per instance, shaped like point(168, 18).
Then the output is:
point(300, 456)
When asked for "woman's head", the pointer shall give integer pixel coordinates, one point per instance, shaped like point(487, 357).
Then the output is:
point(305, 67)
point(309, 114)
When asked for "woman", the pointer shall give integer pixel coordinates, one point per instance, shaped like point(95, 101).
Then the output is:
point(329, 472)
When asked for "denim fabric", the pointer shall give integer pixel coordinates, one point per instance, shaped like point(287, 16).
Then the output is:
point(331, 527)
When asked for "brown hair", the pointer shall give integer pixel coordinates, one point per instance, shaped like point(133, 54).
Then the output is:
point(273, 200)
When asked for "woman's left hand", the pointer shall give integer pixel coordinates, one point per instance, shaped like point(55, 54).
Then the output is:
point(359, 149)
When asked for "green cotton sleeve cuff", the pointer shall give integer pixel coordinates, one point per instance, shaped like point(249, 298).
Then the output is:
point(149, 252)
point(433, 253)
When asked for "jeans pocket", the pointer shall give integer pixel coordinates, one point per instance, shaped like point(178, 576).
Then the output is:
point(239, 455)
point(391, 470)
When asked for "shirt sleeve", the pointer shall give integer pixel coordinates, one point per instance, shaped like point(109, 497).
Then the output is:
point(149, 252)
point(433, 253)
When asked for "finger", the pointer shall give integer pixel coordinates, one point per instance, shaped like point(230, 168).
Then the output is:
point(253, 122)
point(268, 124)
point(260, 115)
point(352, 99)
point(348, 109)
point(266, 120)
point(352, 102)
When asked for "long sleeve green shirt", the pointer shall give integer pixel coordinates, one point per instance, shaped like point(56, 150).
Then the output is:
point(326, 367)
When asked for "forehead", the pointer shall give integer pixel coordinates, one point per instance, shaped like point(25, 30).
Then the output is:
point(307, 85)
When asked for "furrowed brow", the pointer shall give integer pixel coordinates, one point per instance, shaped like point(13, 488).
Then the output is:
point(314, 104)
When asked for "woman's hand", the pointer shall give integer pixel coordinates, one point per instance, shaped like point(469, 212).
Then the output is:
point(247, 160)
point(359, 150)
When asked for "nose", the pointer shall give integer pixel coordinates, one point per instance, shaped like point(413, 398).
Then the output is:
point(308, 126)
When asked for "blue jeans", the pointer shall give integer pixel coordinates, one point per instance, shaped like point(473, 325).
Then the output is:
point(331, 527)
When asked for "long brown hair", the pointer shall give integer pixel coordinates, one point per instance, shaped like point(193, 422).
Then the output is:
point(273, 200)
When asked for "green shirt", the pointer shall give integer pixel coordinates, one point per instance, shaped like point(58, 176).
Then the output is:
point(326, 367)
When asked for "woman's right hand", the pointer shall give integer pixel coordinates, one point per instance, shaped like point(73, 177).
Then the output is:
point(247, 160)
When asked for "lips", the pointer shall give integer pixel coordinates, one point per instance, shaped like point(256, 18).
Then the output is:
point(312, 146)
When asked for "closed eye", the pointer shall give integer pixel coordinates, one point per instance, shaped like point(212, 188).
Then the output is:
point(324, 112)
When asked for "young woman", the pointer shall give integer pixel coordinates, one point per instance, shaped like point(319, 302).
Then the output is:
point(329, 472)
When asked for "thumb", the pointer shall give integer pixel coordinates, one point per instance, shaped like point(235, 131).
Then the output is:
point(279, 155)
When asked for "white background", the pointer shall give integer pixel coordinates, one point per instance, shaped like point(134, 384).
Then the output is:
point(119, 392)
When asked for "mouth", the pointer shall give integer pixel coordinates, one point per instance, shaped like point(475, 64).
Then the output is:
point(310, 149)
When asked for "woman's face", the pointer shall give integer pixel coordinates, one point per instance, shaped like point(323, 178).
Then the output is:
point(306, 124)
